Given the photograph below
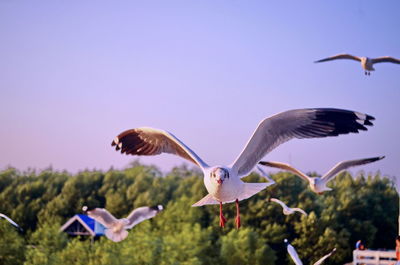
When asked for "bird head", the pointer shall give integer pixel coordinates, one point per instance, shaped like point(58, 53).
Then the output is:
point(86, 209)
point(219, 175)
point(157, 208)
point(286, 242)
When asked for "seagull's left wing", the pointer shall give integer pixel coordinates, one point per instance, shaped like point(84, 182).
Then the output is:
point(10, 220)
point(346, 164)
point(142, 213)
point(300, 123)
point(319, 262)
point(385, 59)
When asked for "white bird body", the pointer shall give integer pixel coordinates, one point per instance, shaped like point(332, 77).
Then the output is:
point(287, 210)
point(366, 62)
point(116, 228)
point(224, 183)
point(318, 184)
point(228, 192)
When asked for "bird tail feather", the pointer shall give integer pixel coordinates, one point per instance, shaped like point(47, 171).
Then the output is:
point(208, 199)
point(252, 188)
point(116, 236)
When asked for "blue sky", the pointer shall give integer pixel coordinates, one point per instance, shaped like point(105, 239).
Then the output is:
point(75, 74)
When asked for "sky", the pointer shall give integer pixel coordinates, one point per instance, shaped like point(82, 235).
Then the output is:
point(74, 74)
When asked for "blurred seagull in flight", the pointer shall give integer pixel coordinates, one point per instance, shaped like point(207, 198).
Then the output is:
point(116, 228)
point(366, 63)
point(10, 221)
point(293, 254)
point(318, 185)
point(223, 183)
point(287, 210)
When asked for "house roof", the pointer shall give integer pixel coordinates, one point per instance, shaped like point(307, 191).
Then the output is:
point(91, 226)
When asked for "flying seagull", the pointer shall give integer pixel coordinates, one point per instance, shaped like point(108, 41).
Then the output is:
point(266, 176)
point(318, 185)
point(10, 221)
point(293, 254)
point(287, 210)
point(223, 183)
point(116, 228)
point(366, 63)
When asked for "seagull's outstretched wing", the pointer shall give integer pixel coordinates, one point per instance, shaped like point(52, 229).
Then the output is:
point(300, 211)
point(293, 254)
point(142, 213)
point(300, 123)
point(281, 203)
point(102, 216)
point(287, 208)
point(385, 59)
point(347, 164)
point(266, 176)
point(10, 220)
point(149, 141)
point(319, 262)
point(285, 167)
point(339, 56)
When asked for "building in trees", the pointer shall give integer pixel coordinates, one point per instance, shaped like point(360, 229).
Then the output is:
point(83, 225)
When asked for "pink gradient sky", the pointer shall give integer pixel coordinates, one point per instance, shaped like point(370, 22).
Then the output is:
point(73, 75)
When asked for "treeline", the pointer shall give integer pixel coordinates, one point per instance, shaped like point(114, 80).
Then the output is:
point(365, 207)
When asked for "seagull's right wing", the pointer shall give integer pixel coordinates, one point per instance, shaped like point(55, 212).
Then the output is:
point(102, 216)
point(346, 164)
point(149, 141)
point(319, 262)
point(299, 123)
point(293, 254)
point(286, 167)
point(142, 213)
point(10, 220)
point(339, 56)
point(281, 203)
point(385, 59)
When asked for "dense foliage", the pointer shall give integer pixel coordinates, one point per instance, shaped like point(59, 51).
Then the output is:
point(364, 208)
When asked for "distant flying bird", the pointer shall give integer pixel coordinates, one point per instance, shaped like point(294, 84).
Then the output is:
point(287, 210)
point(318, 185)
point(224, 183)
point(10, 221)
point(293, 254)
point(266, 176)
point(116, 228)
point(366, 63)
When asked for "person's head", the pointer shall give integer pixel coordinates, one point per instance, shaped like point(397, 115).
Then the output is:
point(398, 238)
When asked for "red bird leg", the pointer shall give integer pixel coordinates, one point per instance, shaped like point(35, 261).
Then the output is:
point(237, 220)
point(222, 219)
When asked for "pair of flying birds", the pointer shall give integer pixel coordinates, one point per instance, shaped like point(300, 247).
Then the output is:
point(223, 183)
